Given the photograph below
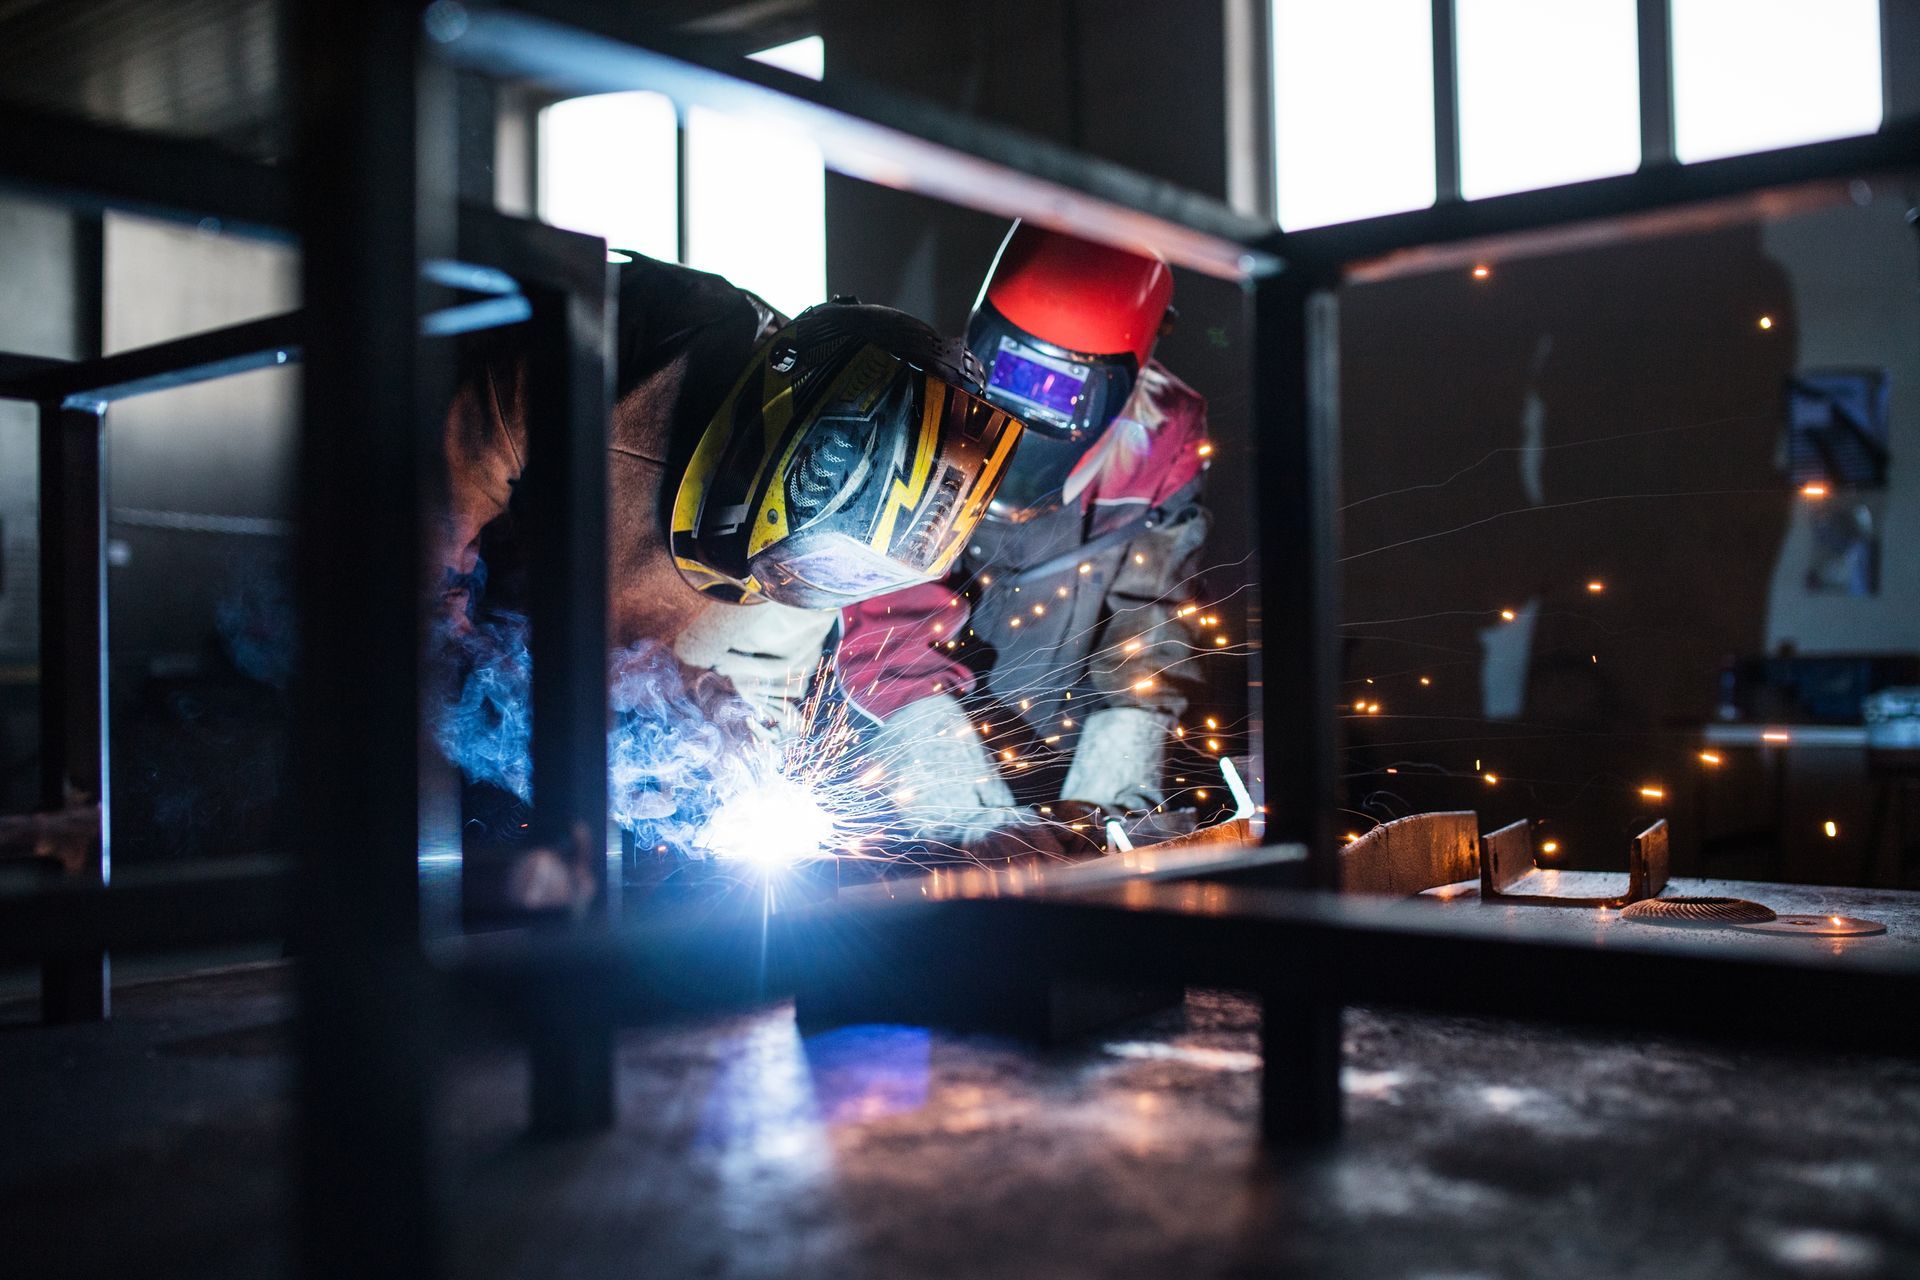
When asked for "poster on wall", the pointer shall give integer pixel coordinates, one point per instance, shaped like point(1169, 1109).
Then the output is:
point(1837, 429)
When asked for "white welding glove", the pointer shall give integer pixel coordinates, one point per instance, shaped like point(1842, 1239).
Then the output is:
point(1118, 762)
point(944, 782)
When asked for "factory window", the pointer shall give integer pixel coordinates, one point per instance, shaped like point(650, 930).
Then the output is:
point(1548, 93)
point(753, 205)
point(1750, 75)
point(1353, 109)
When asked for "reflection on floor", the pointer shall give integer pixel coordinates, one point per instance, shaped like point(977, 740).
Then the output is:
point(153, 1146)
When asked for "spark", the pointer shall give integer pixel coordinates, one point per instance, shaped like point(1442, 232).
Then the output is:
point(1426, 681)
point(1482, 271)
point(1653, 793)
point(1085, 568)
point(1493, 779)
point(1832, 829)
point(1709, 757)
point(1595, 587)
point(1813, 489)
point(1776, 735)
point(1506, 615)
point(1766, 322)
point(1550, 846)
point(1205, 451)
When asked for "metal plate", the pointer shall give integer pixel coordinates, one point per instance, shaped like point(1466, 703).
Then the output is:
point(1818, 926)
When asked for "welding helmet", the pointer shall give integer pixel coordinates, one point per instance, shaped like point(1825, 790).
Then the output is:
point(1063, 327)
point(855, 456)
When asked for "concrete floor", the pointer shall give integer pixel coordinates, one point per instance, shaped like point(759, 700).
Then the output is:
point(154, 1146)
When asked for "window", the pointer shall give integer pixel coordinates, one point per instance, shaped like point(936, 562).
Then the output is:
point(1353, 109)
point(1750, 75)
point(609, 166)
point(1549, 93)
point(754, 200)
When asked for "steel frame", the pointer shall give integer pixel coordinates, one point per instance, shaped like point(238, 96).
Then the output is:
point(371, 198)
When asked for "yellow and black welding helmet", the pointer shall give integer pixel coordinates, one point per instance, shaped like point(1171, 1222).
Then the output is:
point(855, 456)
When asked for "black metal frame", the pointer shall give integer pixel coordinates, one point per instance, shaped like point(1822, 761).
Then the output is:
point(372, 198)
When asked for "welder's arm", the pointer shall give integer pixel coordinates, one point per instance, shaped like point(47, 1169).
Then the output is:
point(769, 652)
point(949, 792)
point(1144, 668)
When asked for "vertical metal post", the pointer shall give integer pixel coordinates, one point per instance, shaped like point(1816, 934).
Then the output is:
point(1446, 104)
point(1293, 335)
point(569, 402)
point(1656, 84)
point(73, 671)
point(373, 187)
point(1299, 1069)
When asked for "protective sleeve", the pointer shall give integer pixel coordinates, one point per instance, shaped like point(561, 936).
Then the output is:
point(1150, 646)
point(892, 649)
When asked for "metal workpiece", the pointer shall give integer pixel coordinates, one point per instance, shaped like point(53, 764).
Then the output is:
point(864, 132)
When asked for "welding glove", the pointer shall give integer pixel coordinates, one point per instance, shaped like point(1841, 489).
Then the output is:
point(946, 785)
point(1118, 761)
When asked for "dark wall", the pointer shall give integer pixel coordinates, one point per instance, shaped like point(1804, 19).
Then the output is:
point(1657, 405)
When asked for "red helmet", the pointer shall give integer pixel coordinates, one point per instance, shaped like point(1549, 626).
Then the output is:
point(1063, 326)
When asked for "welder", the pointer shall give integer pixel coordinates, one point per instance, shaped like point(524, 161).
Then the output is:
point(762, 474)
point(1048, 671)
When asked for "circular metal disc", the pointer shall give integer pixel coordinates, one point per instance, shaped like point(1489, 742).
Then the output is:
point(1819, 926)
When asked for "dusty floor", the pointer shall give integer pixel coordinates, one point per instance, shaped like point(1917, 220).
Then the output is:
point(153, 1146)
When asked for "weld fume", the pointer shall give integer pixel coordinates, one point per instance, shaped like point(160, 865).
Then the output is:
point(675, 748)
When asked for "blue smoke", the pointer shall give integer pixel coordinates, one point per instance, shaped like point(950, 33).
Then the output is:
point(678, 744)
point(484, 720)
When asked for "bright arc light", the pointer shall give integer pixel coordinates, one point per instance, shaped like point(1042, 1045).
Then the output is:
point(771, 827)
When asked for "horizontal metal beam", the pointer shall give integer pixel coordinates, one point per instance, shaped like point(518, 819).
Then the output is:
point(204, 357)
point(1370, 245)
point(869, 134)
point(199, 357)
point(209, 904)
point(1416, 955)
point(98, 166)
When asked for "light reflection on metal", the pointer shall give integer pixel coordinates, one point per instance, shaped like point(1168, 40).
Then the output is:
point(1242, 798)
point(980, 167)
